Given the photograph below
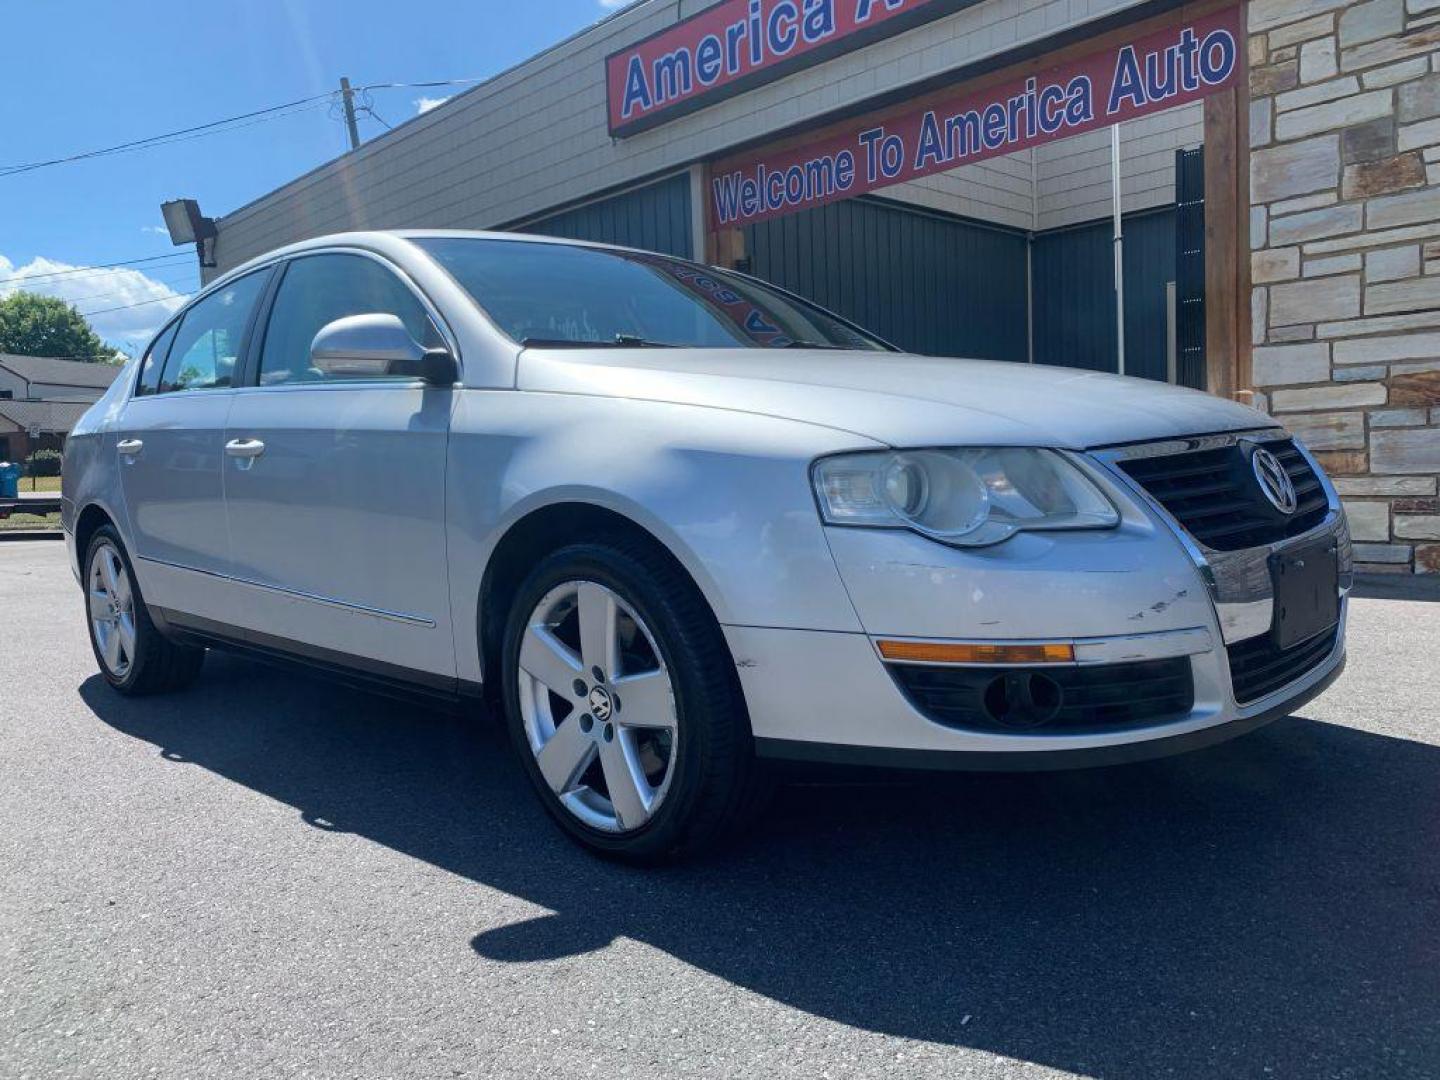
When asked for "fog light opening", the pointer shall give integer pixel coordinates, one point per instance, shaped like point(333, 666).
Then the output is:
point(1023, 699)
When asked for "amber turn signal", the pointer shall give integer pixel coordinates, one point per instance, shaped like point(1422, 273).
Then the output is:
point(936, 652)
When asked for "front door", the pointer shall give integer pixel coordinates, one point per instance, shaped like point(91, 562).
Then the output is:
point(335, 487)
point(168, 441)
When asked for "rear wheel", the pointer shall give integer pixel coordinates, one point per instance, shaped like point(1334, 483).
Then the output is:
point(623, 703)
point(133, 655)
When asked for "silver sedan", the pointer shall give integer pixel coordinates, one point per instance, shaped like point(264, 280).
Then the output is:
point(670, 521)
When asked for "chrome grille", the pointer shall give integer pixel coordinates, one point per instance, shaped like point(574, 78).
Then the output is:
point(1212, 492)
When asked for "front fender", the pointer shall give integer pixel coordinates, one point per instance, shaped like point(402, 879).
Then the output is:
point(727, 493)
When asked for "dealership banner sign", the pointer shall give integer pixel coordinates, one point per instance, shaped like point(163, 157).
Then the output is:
point(739, 44)
point(1183, 62)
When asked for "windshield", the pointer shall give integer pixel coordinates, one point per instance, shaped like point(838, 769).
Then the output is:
point(562, 295)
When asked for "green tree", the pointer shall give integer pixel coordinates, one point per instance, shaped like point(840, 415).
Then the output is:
point(32, 325)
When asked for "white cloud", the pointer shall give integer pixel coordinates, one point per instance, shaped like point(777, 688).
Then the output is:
point(158, 230)
point(96, 290)
point(425, 104)
point(614, 5)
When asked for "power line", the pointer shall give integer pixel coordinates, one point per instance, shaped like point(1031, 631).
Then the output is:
point(150, 144)
point(420, 85)
point(86, 270)
point(135, 144)
point(229, 123)
point(142, 303)
point(157, 277)
point(368, 108)
point(153, 273)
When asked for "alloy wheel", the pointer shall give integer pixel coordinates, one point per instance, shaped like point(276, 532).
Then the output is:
point(112, 610)
point(598, 706)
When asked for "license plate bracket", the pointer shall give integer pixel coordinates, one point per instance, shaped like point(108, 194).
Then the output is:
point(1306, 583)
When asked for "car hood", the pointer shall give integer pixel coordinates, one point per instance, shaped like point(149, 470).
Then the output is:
point(896, 398)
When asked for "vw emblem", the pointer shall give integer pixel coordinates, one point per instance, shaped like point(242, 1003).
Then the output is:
point(1274, 480)
point(600, 704)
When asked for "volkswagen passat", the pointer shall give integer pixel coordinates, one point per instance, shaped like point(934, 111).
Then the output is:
point(672, 520)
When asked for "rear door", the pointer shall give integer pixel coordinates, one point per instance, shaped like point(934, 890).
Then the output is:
point(169, 440)
point(335, 487)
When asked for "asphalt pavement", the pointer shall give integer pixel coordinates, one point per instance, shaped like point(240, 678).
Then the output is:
point(271, 876)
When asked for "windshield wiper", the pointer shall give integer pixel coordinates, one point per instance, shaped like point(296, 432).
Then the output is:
point(619, 341)
point(813, 345)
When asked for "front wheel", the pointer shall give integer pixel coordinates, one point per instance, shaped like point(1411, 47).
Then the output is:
point(623, 703)
point(133, 655)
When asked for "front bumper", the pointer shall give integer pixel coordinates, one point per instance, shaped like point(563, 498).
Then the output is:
point(1144, 591)
point(827, 697)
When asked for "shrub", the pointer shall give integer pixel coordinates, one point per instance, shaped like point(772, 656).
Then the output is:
point(43, 463)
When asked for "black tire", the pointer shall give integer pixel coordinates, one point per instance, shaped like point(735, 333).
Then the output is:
point(158, 665)
point(717, 785)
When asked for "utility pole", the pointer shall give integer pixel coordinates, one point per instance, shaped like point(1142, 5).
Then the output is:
point(347, 97)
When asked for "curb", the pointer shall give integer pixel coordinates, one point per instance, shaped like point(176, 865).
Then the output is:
point(1397, 586)
point(31, 534)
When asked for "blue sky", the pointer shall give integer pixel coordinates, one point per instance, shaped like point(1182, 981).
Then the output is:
point(99, 73)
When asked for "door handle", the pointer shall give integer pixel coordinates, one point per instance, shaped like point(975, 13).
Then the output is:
point(245, 448)
point(129, 447)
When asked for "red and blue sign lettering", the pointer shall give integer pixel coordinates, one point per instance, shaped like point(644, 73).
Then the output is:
point(742, 43)
point(1181, 63)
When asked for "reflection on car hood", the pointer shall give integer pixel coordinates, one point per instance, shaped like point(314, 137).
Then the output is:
point(898, 399)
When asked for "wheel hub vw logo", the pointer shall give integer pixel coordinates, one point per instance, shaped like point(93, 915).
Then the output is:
point(599, 704)
point(1274, 481)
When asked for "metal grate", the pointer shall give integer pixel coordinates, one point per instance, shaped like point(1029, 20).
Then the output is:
point(1213, 493)
point(1086, 698)
point(1258, 668)
point(1190, 266)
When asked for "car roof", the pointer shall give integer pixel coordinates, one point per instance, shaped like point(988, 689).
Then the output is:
point(385, 241)
point(382, 240)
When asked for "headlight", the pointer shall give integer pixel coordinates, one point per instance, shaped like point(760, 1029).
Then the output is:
point(969, 496)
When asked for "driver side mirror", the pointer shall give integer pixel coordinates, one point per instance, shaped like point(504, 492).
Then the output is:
point(374, 346)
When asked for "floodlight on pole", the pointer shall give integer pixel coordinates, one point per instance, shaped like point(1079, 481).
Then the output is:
point(187, 225)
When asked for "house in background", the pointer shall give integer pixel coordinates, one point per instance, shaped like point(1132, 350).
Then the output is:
point(44, 378)
point(41, 398)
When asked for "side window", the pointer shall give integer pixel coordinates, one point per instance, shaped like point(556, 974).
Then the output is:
point(206, 347)
point(154, 361)
point(318, 289)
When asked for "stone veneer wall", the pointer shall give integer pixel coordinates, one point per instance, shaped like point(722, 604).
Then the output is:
point(1345, 262)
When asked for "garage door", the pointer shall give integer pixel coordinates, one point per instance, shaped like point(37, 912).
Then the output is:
point(927, 282)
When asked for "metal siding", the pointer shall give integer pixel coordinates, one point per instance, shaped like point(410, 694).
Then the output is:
point(930, 284)
point(1074, 312)
point(1149, 265)
point(1072, 175)
point(1074, 299)
point(655, 217)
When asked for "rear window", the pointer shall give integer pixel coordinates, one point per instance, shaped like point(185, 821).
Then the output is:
point(560, 294)
point(154, 361)
point(206, 348)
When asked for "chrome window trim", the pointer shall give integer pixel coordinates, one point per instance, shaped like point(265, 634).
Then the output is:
point(1239, 581)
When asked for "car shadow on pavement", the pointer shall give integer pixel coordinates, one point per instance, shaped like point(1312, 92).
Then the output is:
point(1271, 906)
